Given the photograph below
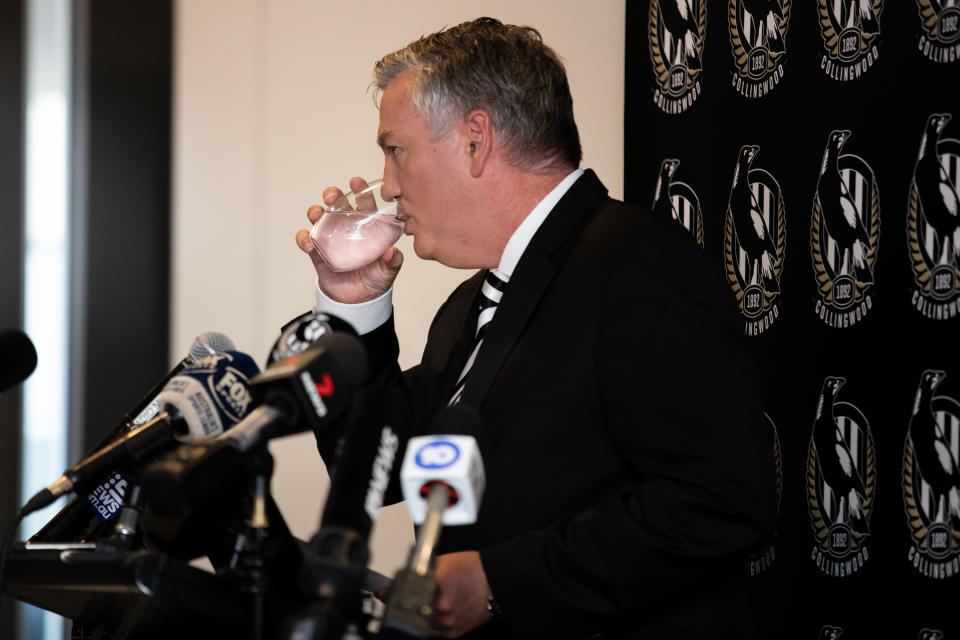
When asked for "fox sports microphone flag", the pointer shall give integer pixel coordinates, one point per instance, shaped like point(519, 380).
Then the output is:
point(213, 394)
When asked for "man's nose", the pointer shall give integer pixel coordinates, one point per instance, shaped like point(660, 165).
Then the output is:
point(390, 189)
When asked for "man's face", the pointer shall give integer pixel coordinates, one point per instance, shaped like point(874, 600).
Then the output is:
point(431, 176)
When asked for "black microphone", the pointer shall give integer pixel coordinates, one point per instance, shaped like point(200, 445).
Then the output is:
point(204, 399)
point(106, 499)
point(19, 358)
point(443, 480)
point(299, 334)
point(339, 552)
point(311, 390)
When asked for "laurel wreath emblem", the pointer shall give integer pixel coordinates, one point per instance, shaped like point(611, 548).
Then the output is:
point(825, 275)
point(740, 53)
point(737, 283)
point(920, 260)
point(916, 521)
point(818, 519)
point(660, 67)
point(829, 29)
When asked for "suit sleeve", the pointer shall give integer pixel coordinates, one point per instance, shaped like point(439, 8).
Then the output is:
point(679, 397)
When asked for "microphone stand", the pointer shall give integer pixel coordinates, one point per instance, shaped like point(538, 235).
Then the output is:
point(249, 557)
point(333, 578)
point(409, 610)
point(126, 534)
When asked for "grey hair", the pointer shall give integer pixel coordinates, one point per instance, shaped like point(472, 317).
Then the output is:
point(505, 70)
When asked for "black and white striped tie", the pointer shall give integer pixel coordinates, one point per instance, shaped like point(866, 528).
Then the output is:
point(491, 292)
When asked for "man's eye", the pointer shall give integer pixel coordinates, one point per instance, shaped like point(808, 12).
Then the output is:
point(392, 151)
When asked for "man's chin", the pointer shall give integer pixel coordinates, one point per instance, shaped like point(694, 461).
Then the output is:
point(422, 252)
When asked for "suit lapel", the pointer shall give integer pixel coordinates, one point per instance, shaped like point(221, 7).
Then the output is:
point(451, 350)
point(529, 282)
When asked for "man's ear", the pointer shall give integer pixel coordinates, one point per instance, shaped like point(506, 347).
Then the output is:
point(480, 139)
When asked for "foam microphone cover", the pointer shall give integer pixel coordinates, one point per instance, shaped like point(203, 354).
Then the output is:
point(450, 458)
point(302, 332)
point(212, 394)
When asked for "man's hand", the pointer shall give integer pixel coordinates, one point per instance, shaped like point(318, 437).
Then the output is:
point(359, 285)
point(462, 601)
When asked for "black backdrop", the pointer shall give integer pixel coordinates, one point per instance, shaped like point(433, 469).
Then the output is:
point(847, 323)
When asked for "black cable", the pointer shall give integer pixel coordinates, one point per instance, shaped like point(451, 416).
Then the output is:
point(7, 542)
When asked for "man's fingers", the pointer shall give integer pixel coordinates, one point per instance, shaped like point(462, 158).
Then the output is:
point(314, 213)
point(304, 242)
point(331, 195)
point(306, 245)
point(365, 201)
point(357, 184)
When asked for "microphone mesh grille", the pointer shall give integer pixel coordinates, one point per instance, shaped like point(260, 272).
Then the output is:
point(212, 339)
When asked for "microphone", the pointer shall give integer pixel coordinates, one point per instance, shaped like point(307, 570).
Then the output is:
point(442, 479)
point(334, 574)
point(302, 332)
point(106, 499)
point(19, 357)
point(310, 390)
point(206, 344)
point(204, 399)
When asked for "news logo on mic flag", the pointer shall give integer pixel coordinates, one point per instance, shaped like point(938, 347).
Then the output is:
point(107, 499)
point(451, 459)
point(213, 394)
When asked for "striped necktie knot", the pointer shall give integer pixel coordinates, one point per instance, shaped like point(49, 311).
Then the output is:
point(491, 292)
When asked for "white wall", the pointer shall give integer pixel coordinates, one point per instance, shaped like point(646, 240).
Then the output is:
point(271, 105)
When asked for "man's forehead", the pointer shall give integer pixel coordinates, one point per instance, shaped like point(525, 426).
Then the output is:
point(394, 102)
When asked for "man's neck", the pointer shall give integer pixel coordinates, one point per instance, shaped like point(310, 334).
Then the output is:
point(514, 196)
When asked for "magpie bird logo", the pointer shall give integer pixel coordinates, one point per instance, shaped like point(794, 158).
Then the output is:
point(758, 34)
point(760, 561)
point(841, 481)
point(933, 222)
point(850, 30)
point(931, 480)
point(844, 234)
point(940, 35)
point(676, 200)
point(677, 29)
point(754, 239)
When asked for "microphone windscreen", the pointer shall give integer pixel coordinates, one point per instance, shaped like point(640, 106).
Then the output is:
point(212, 394)
point(210, 343)
point(19, 358)
point(302, 332)
point(446, 457)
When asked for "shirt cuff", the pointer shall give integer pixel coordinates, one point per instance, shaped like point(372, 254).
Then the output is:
point(364, 316)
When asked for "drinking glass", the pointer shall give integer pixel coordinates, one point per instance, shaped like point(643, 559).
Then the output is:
point(356, 229)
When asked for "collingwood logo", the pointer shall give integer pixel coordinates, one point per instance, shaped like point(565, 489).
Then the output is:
point(758, 34)
point(844, 235)
point(674, 199)
point(759, 562)
point(940, 40)
point(933, 234)
point(830, 632)
point(677, 30)
point(841, 479)
point(850, 30)
point(754, 237)
point(931, 480)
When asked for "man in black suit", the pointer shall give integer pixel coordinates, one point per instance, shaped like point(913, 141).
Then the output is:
point(629, 473)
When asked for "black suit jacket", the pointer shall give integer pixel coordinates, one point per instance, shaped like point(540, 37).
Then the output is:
point(629, 472)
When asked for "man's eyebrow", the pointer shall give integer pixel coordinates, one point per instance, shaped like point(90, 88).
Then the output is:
point(382, 139)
